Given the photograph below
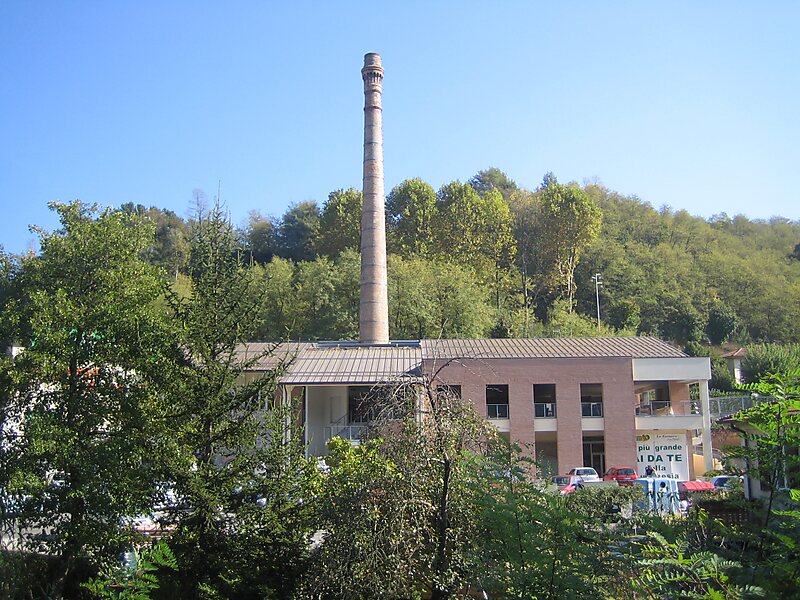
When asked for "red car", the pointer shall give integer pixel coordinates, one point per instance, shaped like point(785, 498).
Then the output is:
point(567, 483)
point(622, 475)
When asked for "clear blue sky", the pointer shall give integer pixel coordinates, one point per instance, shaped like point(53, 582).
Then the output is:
point(689, 104)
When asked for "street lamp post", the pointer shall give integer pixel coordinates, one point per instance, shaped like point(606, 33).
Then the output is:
point(598, 283)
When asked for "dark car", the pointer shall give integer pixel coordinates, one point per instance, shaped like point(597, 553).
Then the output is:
point(726, 482)
point(622, 475)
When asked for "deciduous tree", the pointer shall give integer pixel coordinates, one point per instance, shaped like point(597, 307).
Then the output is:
point(493, 179)
point(297, 231)
point(340, 223)
point(80, 414)
point(412, 217)
point(570, 222)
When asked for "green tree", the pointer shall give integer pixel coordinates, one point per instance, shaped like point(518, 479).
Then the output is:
point(229, 440)
point(412, 218)
point(536, 543)
point(499, 247)
point(623, 314)
point(340, 223)
point(259, 237)
point(281, 318)
point(327, 296)
point(527, 233)
point(670, 570)
point(476, 231)
point(399, 512)
point(80, 408)
point(563, 323)
point(771, 432)
point(459, 230)
point(169, 248)
point(364, 553)
point(296, 236)
point(570, 221)
point(721, 377)
point(721, 322)
point(493, 179)
point(436, 299)
point(763, 360)
point(680, 321)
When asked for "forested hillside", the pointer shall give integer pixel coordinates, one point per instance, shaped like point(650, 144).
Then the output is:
point(487, 258)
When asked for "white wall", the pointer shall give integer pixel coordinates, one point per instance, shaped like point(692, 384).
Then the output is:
point(672, 369)
point(325, 404)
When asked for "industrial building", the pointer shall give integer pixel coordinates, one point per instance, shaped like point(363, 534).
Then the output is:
point(598, 402)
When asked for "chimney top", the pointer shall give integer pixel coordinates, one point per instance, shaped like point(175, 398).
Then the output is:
point(372, 59)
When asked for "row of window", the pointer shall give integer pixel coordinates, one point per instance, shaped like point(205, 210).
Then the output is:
point(544, 399)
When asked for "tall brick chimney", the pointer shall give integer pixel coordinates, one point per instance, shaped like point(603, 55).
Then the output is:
point(374, 303)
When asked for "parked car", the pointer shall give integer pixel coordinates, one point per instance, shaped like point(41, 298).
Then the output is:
point(725, 482)
point(567, 483)
point(622, 475)
point(585, 473)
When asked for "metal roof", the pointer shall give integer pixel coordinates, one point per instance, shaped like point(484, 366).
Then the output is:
point(266, 356)
point(614, 347)
point(738, 353)
point(354, 363)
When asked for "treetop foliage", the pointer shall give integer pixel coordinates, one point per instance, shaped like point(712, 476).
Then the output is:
point(527, 255)
point(130, 402)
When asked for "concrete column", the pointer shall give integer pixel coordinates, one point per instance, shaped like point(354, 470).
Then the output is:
point(374, 302)
point(619, 420)
point(679, 398)
point(705, 407)
point(520, 412)
point(570, 427)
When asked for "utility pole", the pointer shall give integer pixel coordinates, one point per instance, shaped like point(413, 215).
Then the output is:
point(598, 283)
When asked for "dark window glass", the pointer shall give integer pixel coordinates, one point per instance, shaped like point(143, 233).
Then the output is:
point(358, 401)
point(544, 400)
point(496, 394)
point(449, 390)
point(592, 399)
point(544, 392)
point(497, 401)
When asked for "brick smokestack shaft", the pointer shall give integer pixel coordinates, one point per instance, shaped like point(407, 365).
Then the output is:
point(374, 304)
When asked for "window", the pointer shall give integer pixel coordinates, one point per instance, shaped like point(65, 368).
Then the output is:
point(592, 399)
point(594, 454)
point(497, 401)
point(360, 403)
point(544, 400)
point(452, 391)
point(654, 401)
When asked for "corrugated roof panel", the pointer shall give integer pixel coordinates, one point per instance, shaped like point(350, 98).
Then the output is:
point(356, 363)
point(353, 364)
point(632, 347)
point(270, 355)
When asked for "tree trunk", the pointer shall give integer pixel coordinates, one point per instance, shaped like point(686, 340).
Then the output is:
point(440, 564)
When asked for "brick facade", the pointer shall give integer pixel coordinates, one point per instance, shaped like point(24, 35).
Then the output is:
point(614, 374)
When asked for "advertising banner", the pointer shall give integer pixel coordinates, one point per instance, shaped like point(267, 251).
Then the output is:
point(666, 453)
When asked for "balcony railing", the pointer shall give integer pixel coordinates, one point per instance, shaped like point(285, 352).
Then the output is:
point(353, 433)
point(724, 406)
point(591, 409)
point(544, 410)
point(667, 408)
point(497, 411)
